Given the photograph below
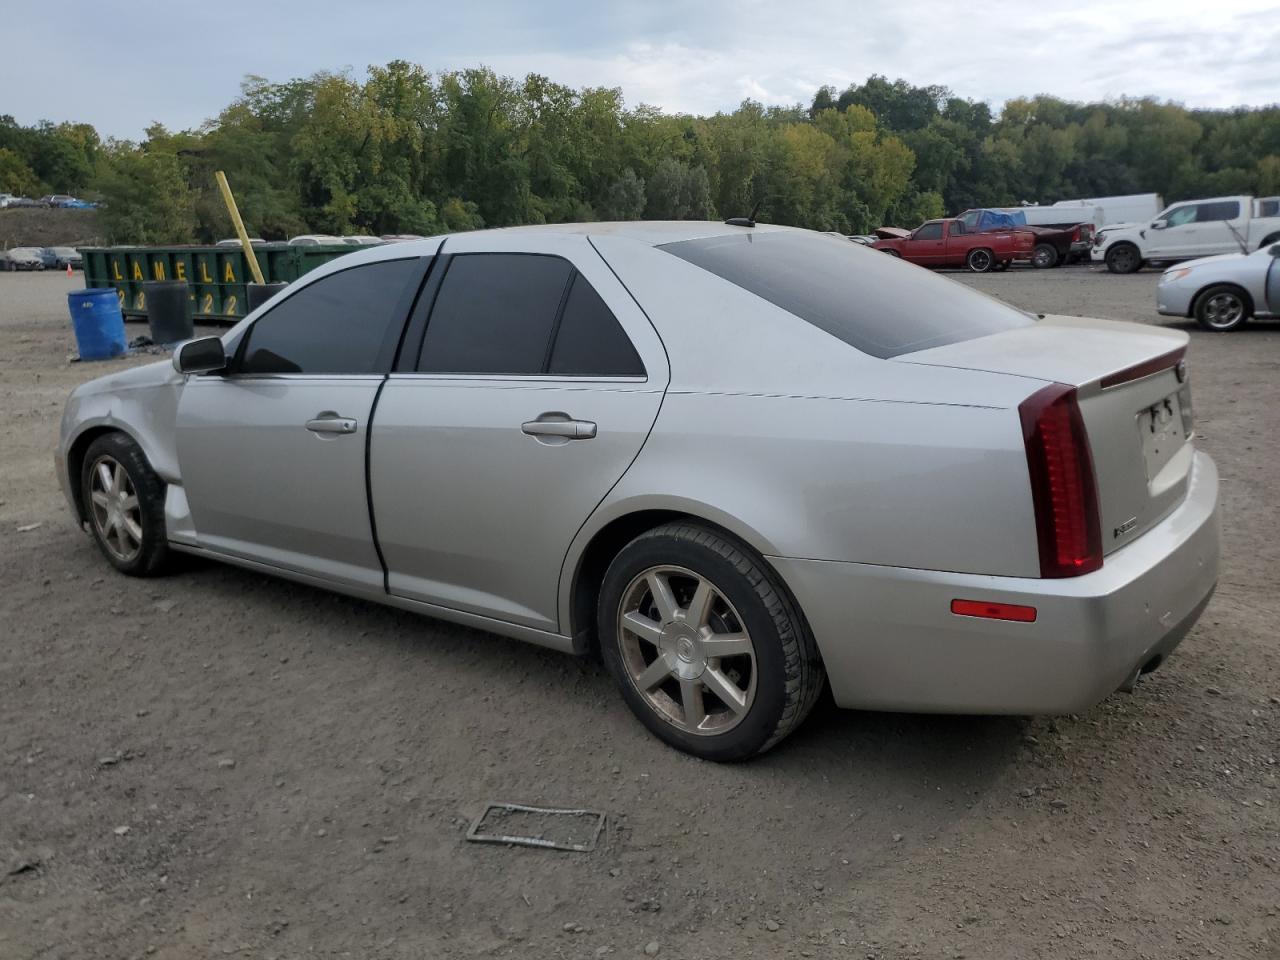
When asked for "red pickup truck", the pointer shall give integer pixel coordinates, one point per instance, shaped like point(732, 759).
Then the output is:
point(947, 243)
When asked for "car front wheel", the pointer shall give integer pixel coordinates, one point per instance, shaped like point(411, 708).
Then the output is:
point(1124, 258)
point(705, 644)
point(124, 501)
point(980, 260)
point(1222, 308)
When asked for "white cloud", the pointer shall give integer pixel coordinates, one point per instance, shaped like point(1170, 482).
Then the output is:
point(681, 56)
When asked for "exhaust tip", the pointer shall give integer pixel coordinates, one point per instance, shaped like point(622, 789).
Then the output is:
point(1131, 682)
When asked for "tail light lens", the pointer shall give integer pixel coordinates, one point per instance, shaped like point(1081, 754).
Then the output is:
point(1063, 488)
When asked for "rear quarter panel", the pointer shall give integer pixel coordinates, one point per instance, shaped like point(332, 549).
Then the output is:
point(805, 447)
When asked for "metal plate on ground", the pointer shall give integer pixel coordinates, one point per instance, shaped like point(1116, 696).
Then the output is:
point(547, 827)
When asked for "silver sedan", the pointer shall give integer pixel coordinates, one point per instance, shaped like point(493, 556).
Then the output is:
point(738, 462)
point(1223, 292)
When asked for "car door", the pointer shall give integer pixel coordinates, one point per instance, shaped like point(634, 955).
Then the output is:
point(272, 452)
point(955, 243)
point(534, 388)
point(1180, 236)
point(1220, 228)
point(926, 245)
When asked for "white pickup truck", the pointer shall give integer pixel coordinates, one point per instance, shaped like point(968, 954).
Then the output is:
point(1192, 228)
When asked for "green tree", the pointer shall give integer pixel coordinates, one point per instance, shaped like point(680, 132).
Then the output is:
point(15, 176)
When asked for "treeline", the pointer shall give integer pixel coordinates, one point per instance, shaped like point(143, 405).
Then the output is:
point(405, 151)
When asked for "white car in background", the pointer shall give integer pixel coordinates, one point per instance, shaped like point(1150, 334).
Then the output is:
point(1191, 229)
point(1223, 292)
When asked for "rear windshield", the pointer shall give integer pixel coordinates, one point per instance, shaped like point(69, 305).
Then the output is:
point(879, 304)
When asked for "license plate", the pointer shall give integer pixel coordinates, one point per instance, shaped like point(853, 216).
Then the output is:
point(1160, 427)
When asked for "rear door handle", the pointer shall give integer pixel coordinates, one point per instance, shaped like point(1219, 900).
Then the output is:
point(331, 423)
point(559, 425)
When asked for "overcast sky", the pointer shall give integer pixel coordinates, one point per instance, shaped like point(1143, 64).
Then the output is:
point(122, 67)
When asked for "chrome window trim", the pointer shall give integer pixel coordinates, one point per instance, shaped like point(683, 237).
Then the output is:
point(516, 377)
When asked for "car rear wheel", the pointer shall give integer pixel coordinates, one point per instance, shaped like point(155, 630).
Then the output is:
point(705, 644)
point(124, 501)
point(1124, 258)
point(980, 260)
point(1222, 308)
point(1044, 256)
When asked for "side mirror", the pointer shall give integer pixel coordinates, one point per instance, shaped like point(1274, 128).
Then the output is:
point(204, 355)
point(1159, 224)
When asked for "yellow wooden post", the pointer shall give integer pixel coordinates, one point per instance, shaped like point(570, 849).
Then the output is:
point(239, 225)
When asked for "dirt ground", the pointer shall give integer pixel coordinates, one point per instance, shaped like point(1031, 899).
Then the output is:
point(220, 763)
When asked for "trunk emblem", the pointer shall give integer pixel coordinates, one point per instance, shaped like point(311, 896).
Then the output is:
point(1124, 528)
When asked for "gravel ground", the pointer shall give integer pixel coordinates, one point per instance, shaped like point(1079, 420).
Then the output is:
point(219, 763)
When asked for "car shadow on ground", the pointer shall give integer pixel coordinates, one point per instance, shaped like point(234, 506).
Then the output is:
point(1249, 326)
point(896, 752)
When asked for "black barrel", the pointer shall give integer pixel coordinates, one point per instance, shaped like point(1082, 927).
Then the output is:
point(260, 293)
point(168, 310)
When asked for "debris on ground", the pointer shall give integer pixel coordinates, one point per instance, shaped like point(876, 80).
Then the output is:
point(572, 830)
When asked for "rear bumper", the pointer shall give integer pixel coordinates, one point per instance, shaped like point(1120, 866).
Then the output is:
point(1081, 246)
point(890, 641)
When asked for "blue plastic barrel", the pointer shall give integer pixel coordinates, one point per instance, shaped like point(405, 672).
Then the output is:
point(99, 326)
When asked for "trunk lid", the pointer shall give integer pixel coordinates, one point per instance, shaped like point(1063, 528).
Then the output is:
point(1135, 405)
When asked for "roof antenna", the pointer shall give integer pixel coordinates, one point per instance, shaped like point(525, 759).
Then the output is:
point(748, 221)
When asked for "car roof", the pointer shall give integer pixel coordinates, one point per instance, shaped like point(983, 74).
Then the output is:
point(649, 232)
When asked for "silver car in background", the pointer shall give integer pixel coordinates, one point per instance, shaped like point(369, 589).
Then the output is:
point(740, 462)
point(1222, 292)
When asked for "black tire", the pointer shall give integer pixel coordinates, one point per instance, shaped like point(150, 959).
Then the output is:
point(1123, 258)
point(1044, 256)
point(980, 260)
point(788, 673)
point(152, 556)
point(1223, 308)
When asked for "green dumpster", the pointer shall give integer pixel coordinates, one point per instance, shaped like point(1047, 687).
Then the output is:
point(215, 275)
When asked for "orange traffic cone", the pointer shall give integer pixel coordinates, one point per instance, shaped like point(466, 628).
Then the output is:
point(69, 270)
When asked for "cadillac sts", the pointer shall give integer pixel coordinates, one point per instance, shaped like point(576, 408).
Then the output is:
point(738, 462)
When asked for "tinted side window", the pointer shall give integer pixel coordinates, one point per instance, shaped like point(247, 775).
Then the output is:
point(957, 228)
point(1268, 208)
point(589, 340)
point(878, 304)
point(495, 313)
point(930, 231)
point(1222, 210)
point(339, 324)
point(1181, 215)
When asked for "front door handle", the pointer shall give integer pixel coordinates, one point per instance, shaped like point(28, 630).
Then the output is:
point(329, 422)
point(559, 425)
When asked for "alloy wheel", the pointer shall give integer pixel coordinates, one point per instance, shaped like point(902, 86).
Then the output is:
point(979, 261)
point(1223, 310)
point(686, 650)
point(117, 516)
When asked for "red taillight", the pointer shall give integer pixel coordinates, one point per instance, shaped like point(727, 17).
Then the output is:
point(994, 611)
point(1063, 488)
